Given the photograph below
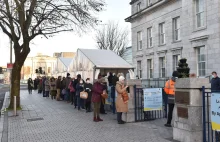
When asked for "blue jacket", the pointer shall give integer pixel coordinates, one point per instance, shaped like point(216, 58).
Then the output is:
point(215, 84)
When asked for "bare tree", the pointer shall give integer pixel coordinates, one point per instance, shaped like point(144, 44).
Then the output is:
point(23, 20)
point(112, 37)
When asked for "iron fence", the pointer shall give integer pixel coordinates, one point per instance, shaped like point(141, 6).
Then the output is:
point(208, 134)
point(140, 114)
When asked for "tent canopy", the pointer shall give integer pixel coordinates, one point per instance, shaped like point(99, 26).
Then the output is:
point(66, 61)
point(105, 59)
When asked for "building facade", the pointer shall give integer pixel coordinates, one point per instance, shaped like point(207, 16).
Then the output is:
point(163, 31)
point(47, 63)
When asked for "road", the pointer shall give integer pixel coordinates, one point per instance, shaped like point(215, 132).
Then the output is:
point(3, 90)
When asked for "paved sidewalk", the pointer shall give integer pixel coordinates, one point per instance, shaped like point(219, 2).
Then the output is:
point(62, 123)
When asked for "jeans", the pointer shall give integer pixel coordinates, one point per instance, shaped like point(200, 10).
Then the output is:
point(170, 113)
point(88, 106)
point(96, 109)
point(119, 116)
point(47, 93)
point(80, 102)
point(67, 95)
point(102, 108)
point(72, 94)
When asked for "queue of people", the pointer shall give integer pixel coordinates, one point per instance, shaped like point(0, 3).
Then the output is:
point(83, 94)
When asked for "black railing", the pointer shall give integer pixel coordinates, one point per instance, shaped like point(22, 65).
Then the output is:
point(209, 135)
point(140, 114)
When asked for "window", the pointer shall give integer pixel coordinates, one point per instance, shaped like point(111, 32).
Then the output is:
point(149, 3)
point(139, 70)
point(201, 61)
point(162, 67)
point(139, 37)
point(149, 37)
point(149, 68)
point(176, 59)
point(161, 34)
point(200, 14)
point(176, 29)
point(138, 7)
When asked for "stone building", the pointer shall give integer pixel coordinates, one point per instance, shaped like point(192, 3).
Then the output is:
point(163, 31)
point(47, 63)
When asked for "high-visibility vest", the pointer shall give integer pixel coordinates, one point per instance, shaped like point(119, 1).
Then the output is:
point(170, 87)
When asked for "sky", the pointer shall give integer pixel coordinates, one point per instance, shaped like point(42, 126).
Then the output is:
point(115, 10)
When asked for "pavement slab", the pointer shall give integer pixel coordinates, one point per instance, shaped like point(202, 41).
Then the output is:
point(45, 120)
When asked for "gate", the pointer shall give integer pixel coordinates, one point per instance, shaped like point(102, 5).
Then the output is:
point(208, 134)
point(140, 114)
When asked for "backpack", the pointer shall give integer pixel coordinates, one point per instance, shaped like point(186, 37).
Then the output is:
point(70, 87)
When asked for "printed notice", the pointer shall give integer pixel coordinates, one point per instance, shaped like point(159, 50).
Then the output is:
point(153, 99)
point(215, 111)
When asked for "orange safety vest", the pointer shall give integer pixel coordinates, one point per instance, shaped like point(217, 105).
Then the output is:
point(170, 87)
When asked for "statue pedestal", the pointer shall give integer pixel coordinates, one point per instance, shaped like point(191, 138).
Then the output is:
point(130, 115)
point(188, 109)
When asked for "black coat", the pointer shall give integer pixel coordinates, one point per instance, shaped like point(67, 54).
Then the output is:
point(114, 80)
point(215, 84)
point(88, 88)
point(29, 84)
point(110, 80)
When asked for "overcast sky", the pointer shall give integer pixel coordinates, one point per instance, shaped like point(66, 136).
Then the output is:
point(116, 10)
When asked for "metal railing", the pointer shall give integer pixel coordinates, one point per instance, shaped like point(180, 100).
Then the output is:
point(209, 135)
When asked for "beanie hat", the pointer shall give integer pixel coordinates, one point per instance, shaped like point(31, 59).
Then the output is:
point(175, 74)
point(78, 76)
point(68, 74)
point(121, 78)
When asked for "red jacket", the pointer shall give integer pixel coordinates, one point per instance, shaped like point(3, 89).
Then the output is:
point(97, 90)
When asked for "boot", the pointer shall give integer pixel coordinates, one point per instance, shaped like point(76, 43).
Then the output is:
point(95, 119)
point(99, 119)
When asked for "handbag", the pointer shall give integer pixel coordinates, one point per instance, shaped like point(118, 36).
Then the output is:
point(83, 95)
point(70, 87)
point(125, 96)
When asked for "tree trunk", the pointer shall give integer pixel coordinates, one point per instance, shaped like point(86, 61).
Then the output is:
point(20, 58)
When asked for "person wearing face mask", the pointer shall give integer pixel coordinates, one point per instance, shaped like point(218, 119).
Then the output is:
point(215, 82)
point(80, 88)
point(88, 89)
point(169, 89)
point(121, 106)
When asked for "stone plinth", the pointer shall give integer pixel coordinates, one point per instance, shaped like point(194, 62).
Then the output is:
point(188, 109)
point(130, 116)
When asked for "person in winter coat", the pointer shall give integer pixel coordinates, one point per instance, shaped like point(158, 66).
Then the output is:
point(53, 90)
point(121, 106)
point(215, 82)
point(114, 79)
point(47, 87)
point(88, 88)
point(35, 84)
point(58, 87)
point(30, 85)
point(97, 90)
point(40, 86)
point(72, 91)
point(67, 82)
point(169, 89)
point(76, 81)
point(110, 81)
point(80, 88)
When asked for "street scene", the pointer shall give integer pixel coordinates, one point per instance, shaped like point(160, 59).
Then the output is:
point(109, 71)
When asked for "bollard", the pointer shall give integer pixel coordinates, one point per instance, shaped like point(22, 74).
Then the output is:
point(15, 107)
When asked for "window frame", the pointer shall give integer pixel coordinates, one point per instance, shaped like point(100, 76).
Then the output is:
point(139, 40)
point(176, 61)
point(150, 68)
point(139, 68)
point(176, 30)
point(199, 13)
point(162, 66)
point(149, 37)
point(202, 62)
point(149, 3)
point(162, 33)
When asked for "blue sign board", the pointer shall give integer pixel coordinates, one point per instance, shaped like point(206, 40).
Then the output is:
point(215, 111)
point(153, 99)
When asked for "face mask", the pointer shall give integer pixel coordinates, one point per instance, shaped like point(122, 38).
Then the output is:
point(81, 82)
point(88, 81)
point(213, 76)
